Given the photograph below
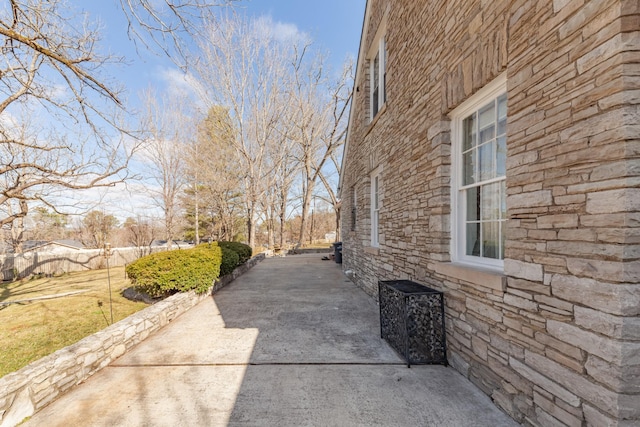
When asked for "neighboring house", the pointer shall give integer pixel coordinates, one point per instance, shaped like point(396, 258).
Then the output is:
point(493, 152)
point(52, 246)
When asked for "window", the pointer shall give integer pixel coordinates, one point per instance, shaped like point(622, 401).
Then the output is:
point(480, 146)
point(353, 209)
point(375, 209)
point(378, 75)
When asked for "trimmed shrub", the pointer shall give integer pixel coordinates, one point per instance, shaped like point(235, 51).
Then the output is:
point(230, 260)
point(165, 273)
point(243, 251)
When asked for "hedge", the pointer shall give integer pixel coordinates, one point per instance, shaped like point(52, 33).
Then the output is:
point(230, 260)
point(165, 273)
point(243, 251)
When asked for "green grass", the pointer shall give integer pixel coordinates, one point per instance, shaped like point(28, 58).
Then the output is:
point(30, 330)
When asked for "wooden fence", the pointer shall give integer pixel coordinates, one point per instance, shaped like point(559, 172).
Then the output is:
point(49, 263)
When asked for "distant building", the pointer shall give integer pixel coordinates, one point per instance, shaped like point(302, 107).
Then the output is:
point(493, 152)
point(53, 246)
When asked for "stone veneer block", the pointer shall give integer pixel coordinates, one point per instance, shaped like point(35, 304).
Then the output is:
point(624, 328)
point(618, 299)
point(612, 201)
point(611, 350)
point(523, 270)
point(603, 398)
point(544, 382)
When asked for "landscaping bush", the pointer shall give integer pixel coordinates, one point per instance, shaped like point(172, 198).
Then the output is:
point(230, 260)
point(165, 273)
point(243, 251)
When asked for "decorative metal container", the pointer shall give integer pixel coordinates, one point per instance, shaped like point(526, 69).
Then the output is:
point(412, 321)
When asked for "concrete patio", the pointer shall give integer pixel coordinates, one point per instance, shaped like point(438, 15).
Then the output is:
point(291, 343)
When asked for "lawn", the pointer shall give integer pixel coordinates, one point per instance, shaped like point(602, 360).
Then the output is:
point(33, 329)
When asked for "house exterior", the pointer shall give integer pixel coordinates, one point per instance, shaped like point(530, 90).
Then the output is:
point(493, 153)
point(52, 246)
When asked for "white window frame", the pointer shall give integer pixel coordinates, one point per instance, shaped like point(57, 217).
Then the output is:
point(475, 103)
point(375, 208)
point(378, 50)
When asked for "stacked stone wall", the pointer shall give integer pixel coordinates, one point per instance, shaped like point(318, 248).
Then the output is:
point(553, 338)
point(24, 392)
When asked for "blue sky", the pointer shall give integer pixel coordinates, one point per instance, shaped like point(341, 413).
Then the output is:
point(333, 25)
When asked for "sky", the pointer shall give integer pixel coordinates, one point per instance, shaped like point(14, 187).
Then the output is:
point(334, 26)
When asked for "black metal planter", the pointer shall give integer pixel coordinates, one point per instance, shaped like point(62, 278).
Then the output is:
point(412, 321)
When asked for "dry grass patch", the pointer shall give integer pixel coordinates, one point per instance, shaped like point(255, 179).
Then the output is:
point(33, 328)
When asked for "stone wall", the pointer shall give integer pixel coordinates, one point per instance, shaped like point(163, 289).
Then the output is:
point(27, 390)
point(554, 338)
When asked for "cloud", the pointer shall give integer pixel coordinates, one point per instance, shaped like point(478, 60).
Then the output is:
point(281, 31)
point(177, 82)
point(123, 200)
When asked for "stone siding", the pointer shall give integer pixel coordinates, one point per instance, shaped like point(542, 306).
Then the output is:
point(29, 389)
point(553, 339)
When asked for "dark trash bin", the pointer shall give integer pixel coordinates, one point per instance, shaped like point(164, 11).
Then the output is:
point(337, 252)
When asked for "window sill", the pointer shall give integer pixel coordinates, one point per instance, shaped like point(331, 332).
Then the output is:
point(476, 275)
point(372, 250)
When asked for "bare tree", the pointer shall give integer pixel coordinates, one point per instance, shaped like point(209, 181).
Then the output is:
point(166, 25)
point(140, 233)
point(331, 189)
point(341, 98)
point(242, 67)
point(318, 124)
point(286, 166)
point(50, 73)
point(170, 131)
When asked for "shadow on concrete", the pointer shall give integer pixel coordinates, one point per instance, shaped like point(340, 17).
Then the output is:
point(292, 342)
point(319, 360)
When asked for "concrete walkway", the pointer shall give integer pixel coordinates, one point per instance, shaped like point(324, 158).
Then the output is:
point(291, 343)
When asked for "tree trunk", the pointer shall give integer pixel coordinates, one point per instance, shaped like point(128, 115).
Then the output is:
point(251, 227)
point(197, 216)
point(17, 234)
point(306, 202)
point(337, 211)
point(283, 215)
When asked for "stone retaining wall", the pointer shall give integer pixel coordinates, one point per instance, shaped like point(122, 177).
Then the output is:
point(29, 389)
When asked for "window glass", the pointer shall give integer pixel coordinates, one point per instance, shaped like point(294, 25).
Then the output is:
point(501, 156)
point(353, 209)
point(375, 83)
point(378, 76)
point(473, 239)
point(482, 166)
point(375, 210)
point(469, 132)
point(486, 161)
point(490, 235)
point(473, 204)
point(384, 71)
